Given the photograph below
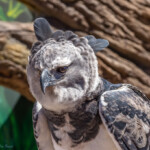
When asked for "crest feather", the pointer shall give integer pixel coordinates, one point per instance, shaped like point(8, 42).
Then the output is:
point(96, 44)
point(42, 29)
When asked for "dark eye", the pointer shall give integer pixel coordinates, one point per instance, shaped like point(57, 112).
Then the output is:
point(62, 69)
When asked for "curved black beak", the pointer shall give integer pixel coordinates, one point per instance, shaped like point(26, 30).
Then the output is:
point(46, 80)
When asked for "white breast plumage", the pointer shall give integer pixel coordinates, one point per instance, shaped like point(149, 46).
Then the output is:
point(102, 141)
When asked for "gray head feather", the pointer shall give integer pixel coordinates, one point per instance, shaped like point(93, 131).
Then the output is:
point(70, 66)
point(96, 44)
point(42, 29)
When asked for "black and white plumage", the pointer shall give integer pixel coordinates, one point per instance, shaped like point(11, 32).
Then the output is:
point(76, 109)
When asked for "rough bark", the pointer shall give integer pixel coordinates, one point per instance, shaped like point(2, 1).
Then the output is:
point(124, 23)
point(15, 38)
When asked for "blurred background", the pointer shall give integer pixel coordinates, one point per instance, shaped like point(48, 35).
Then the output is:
point(125, 24)
point(16, 131)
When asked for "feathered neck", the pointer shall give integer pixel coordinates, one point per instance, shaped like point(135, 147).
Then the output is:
point(73, 106)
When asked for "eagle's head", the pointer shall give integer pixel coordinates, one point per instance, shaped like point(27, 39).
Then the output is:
point(62, 67)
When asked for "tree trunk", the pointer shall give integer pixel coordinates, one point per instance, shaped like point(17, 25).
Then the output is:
point(125, 24)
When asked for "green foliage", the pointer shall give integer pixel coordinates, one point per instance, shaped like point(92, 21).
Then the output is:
point(10, 10)
point(8, 99)
point(17, 132)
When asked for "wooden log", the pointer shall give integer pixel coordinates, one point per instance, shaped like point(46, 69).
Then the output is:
point(15, 38)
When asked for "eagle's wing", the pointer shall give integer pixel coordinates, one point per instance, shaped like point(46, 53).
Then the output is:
point(125, 112)
point(41, 131)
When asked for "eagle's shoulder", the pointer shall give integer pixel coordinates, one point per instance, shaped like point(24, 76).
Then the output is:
point(125, 111)
point(42, 133)
point(35, 112)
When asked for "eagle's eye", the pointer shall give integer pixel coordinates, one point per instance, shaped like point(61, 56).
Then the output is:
point(62, 69)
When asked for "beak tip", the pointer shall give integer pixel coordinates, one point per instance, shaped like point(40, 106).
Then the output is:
point(42, 87)
point(43, 91)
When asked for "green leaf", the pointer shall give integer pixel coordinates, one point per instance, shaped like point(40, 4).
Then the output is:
point(10, 6)
point(16, 10)
point(4, 1)
point(2, 15)
point(8, 99)
point(17, 130)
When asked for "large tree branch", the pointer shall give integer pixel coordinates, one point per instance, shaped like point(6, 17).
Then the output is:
point(14, 40)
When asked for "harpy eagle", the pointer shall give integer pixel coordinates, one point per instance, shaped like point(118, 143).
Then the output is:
point(76, 109)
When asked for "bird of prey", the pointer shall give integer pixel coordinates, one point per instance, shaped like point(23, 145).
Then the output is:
point(75, 108)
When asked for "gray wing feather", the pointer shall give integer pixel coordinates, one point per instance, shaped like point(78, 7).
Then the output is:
point(42, 133)
point(125, 111)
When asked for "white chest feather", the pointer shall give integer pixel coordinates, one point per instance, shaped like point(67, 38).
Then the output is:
point(102, 142)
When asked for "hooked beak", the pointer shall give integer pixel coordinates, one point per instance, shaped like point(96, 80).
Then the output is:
point(46, 80)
